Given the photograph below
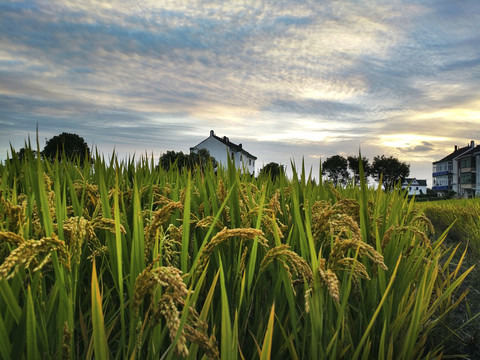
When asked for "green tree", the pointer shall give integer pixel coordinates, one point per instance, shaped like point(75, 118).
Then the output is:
point(24, 152)
point(200, 158)
point(170, 158)
point(354, 166)
point(336, 169)
point(273, 170)
point(389, 170)
point(72, 146)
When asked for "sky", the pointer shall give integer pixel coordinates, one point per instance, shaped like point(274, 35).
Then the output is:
point(290, 80)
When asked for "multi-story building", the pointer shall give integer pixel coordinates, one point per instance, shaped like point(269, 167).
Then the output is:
point(447, 174)
point(221, 148)
point(468, 163)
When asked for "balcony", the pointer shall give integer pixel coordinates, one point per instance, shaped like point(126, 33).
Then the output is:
point(441, 187)
point(440, 173)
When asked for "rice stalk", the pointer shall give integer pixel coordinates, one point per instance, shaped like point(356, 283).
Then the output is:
point(28, 252)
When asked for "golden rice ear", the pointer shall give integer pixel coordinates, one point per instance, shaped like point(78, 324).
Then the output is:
point(77, 231)
point(206, 222)
point(333, 285)
point(11, 237)
point(13, 216)
point(66, 338)
point(223, 236)
point(291, 261)
point(26, 253)
point(174, 294)
point(160, 217)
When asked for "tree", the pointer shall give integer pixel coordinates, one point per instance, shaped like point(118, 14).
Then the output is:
point(354, 166)
point(273, 170)
point(200, 158)
point(390, 170)
point(336, 169)
point(72, 146)
point(172, 157)
point(24, 152)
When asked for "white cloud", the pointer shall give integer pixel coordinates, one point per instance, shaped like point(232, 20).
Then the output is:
point(292, 78)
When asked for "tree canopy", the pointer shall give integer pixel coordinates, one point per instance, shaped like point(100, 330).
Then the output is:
point(389, 170)
point(184, 162)
point(273, 170)
point(70, 146)
point(24, 153)
point(354, 166)
point(336, 169)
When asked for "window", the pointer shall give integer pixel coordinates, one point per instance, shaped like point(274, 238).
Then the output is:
point(241, 158)
point(249, 161)
point(467, 162)
point(467, 178)
point(233, 155)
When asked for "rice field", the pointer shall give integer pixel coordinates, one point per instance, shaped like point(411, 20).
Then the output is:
point(118, 259)
point(460, 216)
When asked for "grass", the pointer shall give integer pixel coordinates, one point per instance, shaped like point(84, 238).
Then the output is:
point(129, 261)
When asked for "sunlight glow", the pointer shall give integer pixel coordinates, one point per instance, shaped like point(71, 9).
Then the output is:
point(408, 140)
point(454, 114)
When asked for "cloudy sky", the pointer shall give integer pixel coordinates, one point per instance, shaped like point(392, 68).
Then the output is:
point(287, 79)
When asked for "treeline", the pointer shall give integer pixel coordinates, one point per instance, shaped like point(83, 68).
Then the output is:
point(186, 161)
point(338, 169)
point(387, 170)
point(66, 146)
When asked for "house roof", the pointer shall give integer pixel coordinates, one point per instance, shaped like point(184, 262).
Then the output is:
point(453, 155)
point(421, 182)
point(232, 146)
point(470, 152)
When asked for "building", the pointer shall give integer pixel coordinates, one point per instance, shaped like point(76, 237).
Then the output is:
point(221, 148)
point(447, 172)
point(468, 163)
point(415, 187)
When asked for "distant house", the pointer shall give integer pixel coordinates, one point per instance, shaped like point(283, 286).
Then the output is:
point(457, 172)
point(221, 148)
point(415, 187)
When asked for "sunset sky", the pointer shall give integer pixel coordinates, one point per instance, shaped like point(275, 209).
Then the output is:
point(287, 79)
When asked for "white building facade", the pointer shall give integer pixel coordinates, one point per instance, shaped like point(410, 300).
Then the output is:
point(221, 148)
point(415, 187)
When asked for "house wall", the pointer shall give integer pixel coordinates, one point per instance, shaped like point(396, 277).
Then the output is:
point(217, 149)
point(456, 177)
point(220, 152)
point(477, 183)
point(416, 190)
point(245, 162)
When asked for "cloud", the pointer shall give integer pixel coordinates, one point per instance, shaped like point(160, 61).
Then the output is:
point(291, 78)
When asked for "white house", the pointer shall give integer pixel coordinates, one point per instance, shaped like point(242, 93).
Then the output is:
point(415, 187)
point(222, 148)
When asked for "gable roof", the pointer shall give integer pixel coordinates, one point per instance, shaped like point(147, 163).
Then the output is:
point(470, 152)
point(230, 145)
point(421, 182)
point(453, 155)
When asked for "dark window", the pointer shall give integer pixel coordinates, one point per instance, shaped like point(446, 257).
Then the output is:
point(467, 162)
point(467, 178)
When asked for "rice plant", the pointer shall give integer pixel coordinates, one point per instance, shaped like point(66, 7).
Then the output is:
point(117, 259)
